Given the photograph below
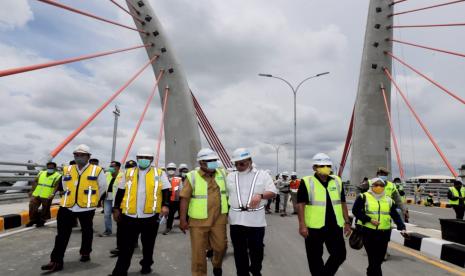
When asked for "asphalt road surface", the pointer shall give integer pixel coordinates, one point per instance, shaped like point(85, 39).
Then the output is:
point(23, 253)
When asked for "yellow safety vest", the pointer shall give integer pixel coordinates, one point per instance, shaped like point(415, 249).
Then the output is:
point(389, 189)
point(115, 184)
point(46, 184)
point(456, 194)
point(80, 189)
point(378, 210)
point(315, 210)
point(153, 194)
point(198, 204)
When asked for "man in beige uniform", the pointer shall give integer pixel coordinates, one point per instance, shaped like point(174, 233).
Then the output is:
point(210, 231)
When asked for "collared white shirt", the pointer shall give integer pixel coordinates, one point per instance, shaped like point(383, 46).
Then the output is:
point(102, 187)
point(263, 184)
point(141, 191)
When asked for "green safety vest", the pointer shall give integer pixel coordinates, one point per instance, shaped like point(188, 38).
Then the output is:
point(115, 184)
point(46, 184)
point(456, 194)
point(315, 210)
point(378, 210)
point(198, 207)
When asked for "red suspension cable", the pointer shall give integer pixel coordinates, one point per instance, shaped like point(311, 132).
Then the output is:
point(100, 109)
point(59, 5)
point(162, 124)
point(428, 48)
point(128, 12)
point(345, 153)
point(427, 26)
point(393, 135)
point(427, 78)
point(142, 116)
point(427, 7)
point(23, 69)
point(436, 146)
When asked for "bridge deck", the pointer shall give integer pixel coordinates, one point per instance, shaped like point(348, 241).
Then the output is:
point(23, 253)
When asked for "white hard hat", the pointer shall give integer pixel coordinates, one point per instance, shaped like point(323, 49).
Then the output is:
point(183, 166)
point(82, 149)
point(285, 174)
point(206, 154)
point(293, 174)
point(171, 166)
point(241, 154)
point(145, 152)
point(322, 159)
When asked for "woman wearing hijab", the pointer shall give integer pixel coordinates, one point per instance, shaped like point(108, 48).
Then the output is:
point(374, 211)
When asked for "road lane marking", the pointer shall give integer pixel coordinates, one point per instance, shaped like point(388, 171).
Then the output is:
point(23, 230)
point(426, 259)
point(429, 214)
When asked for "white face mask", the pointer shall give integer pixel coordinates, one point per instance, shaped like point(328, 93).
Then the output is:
point(170, 172)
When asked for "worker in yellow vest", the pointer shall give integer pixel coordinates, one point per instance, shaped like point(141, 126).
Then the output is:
point(82, 185)
point(204, 199)
point(392, 192)
point(114, 178)
point(374, 210)
point(176, 187)
point(323, 216)
point(456, 196)
point(43, 192)
point(141, 200)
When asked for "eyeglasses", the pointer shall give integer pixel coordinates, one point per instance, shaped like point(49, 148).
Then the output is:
point(241, 164)
point(377, 185)
point(322, 166)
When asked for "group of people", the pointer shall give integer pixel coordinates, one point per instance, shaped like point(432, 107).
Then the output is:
point(207, 199)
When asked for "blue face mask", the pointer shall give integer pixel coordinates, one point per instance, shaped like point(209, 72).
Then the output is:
point(144, 163)
point(50, 171)
point(212, 165)
point(383, 177)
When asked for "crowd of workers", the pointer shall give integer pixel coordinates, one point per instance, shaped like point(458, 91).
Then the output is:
point(209, 197)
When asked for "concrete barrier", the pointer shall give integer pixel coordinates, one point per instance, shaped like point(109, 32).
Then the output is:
point(22, 218)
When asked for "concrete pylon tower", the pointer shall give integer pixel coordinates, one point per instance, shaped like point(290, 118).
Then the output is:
point(371, 141)
point(182, 137)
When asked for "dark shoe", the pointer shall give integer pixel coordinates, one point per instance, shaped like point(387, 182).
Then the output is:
point(217, 271)
point(210, 254)
point(294, 213)
point(146, 270)
point(283, 215)
point(52, 266)
point(166, 231)
point(105, 234)
point(84, 258)
point(30, 224)
point(114, 251)
point(40, 224)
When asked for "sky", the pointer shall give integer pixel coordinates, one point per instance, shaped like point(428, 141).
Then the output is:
point(222, 46)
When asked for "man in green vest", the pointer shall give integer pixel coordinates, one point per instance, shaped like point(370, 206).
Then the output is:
point(44, 189)
point(323, 217)
point(204, 199)
point(114, 177)
point(456, 196)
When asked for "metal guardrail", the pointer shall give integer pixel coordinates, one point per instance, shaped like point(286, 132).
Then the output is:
point(18, 188)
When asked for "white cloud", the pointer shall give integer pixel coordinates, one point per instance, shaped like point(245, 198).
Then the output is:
point(15, 14)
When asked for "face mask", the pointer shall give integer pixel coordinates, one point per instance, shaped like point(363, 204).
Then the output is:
point(80, 160)
point(324, 170)
point(212, 165)
point(111, 170)
point(50, 171)
point(144, 163)
point(171, 172)
point(378, 189)
point(383, 177)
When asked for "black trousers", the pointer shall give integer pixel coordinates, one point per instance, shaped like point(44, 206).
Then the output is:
point(174, 207)
point(276, 202)
point(334, 240)
point(248, 249)
point(375, 243)
point(65, 222)
point(130, 229)
point(459, 211)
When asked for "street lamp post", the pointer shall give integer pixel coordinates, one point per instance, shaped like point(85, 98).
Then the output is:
point(294, 92)
point(277, 147)
point(117, 113)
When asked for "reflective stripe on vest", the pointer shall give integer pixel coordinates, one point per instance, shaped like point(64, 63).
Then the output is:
point(46, 184)
point(315, 210)
point(456, 194)
point(238, 192)
point(81, 189)
point(152, 192)
point(377, 210)
point(198, 204)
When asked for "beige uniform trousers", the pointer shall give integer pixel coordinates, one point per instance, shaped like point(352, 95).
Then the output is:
point(204, 238)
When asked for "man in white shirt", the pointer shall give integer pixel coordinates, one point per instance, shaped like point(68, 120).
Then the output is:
point(142, 198)
point(83, 184)
point(248, 190)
